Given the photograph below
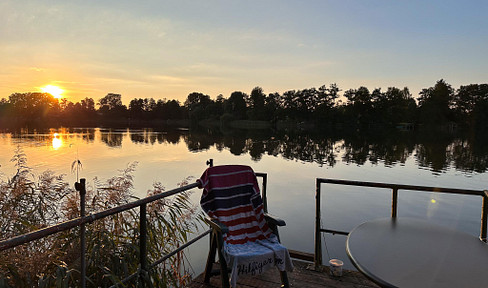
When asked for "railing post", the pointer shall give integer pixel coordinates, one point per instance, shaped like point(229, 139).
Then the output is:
point(210, 162)
point(265, 198)
point(82, 189)
point(394, 203)
point(142, 245)
point(318, 243)
point(484, 214)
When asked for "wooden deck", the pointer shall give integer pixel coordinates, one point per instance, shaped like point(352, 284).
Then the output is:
point(303, 276)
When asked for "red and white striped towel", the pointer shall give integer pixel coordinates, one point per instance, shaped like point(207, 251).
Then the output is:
point(231, 195)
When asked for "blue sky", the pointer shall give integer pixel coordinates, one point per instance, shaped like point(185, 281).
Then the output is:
point(168, 49)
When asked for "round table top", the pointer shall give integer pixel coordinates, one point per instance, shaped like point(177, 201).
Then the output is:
point(407, 252)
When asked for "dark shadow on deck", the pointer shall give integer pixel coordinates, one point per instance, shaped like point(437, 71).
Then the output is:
point(302, 276)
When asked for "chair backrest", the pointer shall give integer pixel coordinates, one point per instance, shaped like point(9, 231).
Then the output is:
point(231, 195)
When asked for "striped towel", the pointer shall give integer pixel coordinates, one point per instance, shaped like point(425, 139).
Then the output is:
point(231, 195)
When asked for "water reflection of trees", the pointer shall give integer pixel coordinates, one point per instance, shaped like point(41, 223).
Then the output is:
point(149, 136)
point(309, 148)
point(432, 151)
point(470, 155)
point(88, 135)
point(436, 152)
point(43, 137)
point(112, 138)
point(385, 146)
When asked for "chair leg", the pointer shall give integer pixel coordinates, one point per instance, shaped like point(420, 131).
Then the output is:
point(211, 257)
point(284, 279)
point(224, 274)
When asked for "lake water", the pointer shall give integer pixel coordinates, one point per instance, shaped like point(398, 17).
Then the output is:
point(292, 161)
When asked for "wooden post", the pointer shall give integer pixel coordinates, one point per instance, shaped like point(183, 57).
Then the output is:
point(82, 189)
point(484, 213)
point(394, 203)
point(318, 242)
point(265, 197)
point(143, 244)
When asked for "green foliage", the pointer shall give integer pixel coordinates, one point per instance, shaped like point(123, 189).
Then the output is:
point(27, 204)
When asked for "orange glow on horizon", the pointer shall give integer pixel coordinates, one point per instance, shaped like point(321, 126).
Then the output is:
point(53, 90)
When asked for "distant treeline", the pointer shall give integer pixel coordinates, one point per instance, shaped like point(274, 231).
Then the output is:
point(438, 106)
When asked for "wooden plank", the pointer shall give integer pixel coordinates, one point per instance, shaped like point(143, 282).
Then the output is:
point(301, 255)
point(302, 276)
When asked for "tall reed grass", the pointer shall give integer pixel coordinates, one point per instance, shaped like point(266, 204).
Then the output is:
point(28, 203)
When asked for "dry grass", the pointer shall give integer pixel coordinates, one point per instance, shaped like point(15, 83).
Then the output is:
point(28, 203)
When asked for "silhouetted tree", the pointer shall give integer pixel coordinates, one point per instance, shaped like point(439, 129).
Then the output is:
point(325, 114)
point(470, 104)
point(257, 104)
point(435, 104)
point(289, 105)
point(33, 107)
point(393, 106)
point(136, 108)
point(88, 104)
point(236, 105)
point(111, 106)
point(169, 110)
point(359, 105)
point(196, 103)
point(327, 96)
point(272, 106)
point(80, 113)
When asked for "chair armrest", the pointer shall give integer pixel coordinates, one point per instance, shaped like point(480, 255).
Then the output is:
point(274, 220)
point(215, 224)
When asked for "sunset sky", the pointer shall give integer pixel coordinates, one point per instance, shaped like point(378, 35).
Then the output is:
point(168, 49)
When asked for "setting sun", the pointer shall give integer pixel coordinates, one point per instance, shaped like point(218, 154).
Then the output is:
point(53, 90)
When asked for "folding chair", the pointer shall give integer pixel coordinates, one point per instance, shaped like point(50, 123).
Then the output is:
point(245, 237)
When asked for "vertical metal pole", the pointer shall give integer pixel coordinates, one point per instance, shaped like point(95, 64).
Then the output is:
point(484, 213)
point(265, 198)
point(318, 243)
point(394, 203)
point(82, 189)
point(143, 244)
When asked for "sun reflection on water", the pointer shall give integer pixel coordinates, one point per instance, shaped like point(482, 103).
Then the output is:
point(57, 142)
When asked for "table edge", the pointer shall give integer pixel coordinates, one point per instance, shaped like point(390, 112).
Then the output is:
point(364, 271)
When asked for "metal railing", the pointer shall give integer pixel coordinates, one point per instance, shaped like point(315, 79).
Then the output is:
point(394, 206)
point(84, 219)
